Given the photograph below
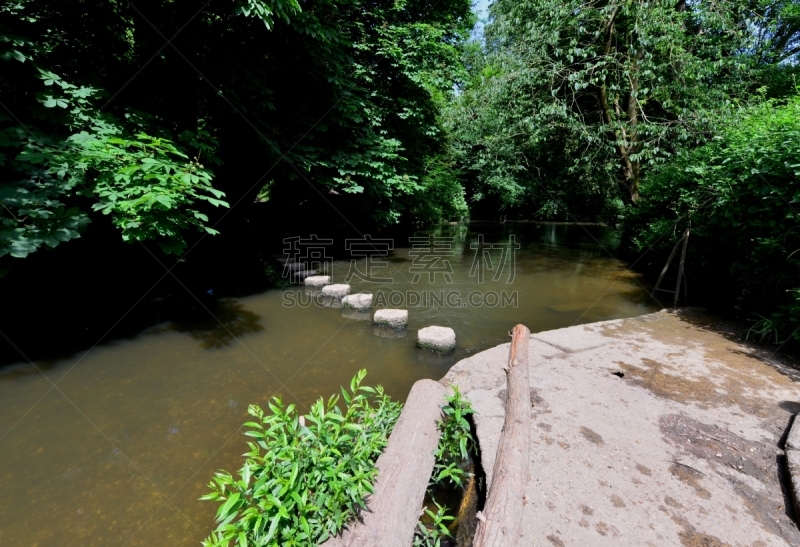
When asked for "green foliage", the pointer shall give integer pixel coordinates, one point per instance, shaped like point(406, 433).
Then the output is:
point(570, 103)
point(147, 184)
point(267, 11)
point(304, 477)
point(398, 65)
point(741, 193)
point(455, 441)
point(431, 536)
point(452, 454)
point(341, 95)
point(441, 198)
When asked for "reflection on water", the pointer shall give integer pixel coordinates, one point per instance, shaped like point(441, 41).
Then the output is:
point(120, 452)
point(230, 321)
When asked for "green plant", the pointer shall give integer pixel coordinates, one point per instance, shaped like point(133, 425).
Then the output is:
point(147, 184)
point(740, 192)
point(306, 476)
point(765, 328)
point(431, 536)
point(455, 442)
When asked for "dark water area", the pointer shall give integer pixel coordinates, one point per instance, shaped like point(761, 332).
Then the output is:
point(114, 444)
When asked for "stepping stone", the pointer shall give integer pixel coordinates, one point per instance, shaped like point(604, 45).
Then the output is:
point(441, 339)
point(361, 301)
point(318, 280)
point(336, 291)
point(394, 319)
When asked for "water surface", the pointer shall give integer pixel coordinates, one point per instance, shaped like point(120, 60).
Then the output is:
point(119, 451)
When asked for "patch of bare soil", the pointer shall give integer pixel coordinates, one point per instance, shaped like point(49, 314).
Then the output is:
point(739, 369)
point(689, 536)
point(739, 461)
point(725, 390)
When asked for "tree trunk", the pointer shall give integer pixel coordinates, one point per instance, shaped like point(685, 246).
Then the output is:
point(624, 143)
point(500, 520)
point(404, 470)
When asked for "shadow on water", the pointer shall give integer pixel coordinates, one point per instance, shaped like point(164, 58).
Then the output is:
point(229, 322)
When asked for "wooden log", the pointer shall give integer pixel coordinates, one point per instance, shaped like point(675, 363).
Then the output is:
point(499, 522)
point(404, 469)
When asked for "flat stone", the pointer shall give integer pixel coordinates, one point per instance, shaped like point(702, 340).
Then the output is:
point(610, 452)
point(318, 280)
point(394, 319)
point(336, 291)
point(489, 429)
point(483, 370)
point(437, 338)
point(361, 301)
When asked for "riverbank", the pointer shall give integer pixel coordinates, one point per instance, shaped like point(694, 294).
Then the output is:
point(658, 430)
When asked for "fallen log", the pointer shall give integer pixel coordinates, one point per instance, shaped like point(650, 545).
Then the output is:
point(499, 522)
point(404, 469)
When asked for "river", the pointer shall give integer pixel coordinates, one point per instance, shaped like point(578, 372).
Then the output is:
point(114, 446)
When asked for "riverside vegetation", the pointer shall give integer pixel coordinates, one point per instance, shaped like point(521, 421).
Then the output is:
point(643, 115)
point(306, 477)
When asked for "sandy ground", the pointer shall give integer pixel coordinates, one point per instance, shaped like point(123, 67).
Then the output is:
point(658, 430)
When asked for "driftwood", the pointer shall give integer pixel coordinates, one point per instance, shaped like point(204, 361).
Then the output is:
point(500, 520)
point(404, 470)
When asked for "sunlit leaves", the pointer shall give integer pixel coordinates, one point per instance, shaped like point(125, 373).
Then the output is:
point(304, 476)
point(267, 10)
point(147, 185)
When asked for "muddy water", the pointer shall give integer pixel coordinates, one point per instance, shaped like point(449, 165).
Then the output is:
point(119, 451)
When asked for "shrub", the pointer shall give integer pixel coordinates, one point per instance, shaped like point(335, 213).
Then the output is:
point(741, 194)
point(306, 476)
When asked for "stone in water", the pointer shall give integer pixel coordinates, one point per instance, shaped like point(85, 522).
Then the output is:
point(318, 280)
point(394, 319)
point(437, 338)
point(361, 301)
point(336, 291)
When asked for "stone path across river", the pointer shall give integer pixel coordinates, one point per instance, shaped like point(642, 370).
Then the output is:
point(657, 430)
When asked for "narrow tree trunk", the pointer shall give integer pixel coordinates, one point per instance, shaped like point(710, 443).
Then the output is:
point(500, 520)
point(625, 144)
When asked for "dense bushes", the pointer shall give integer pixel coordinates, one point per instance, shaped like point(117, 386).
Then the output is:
point(741, 195)
point(304, 477)
point(294, 100)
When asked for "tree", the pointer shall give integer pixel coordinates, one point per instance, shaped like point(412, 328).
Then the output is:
point(608, 89)
point(119, 107)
